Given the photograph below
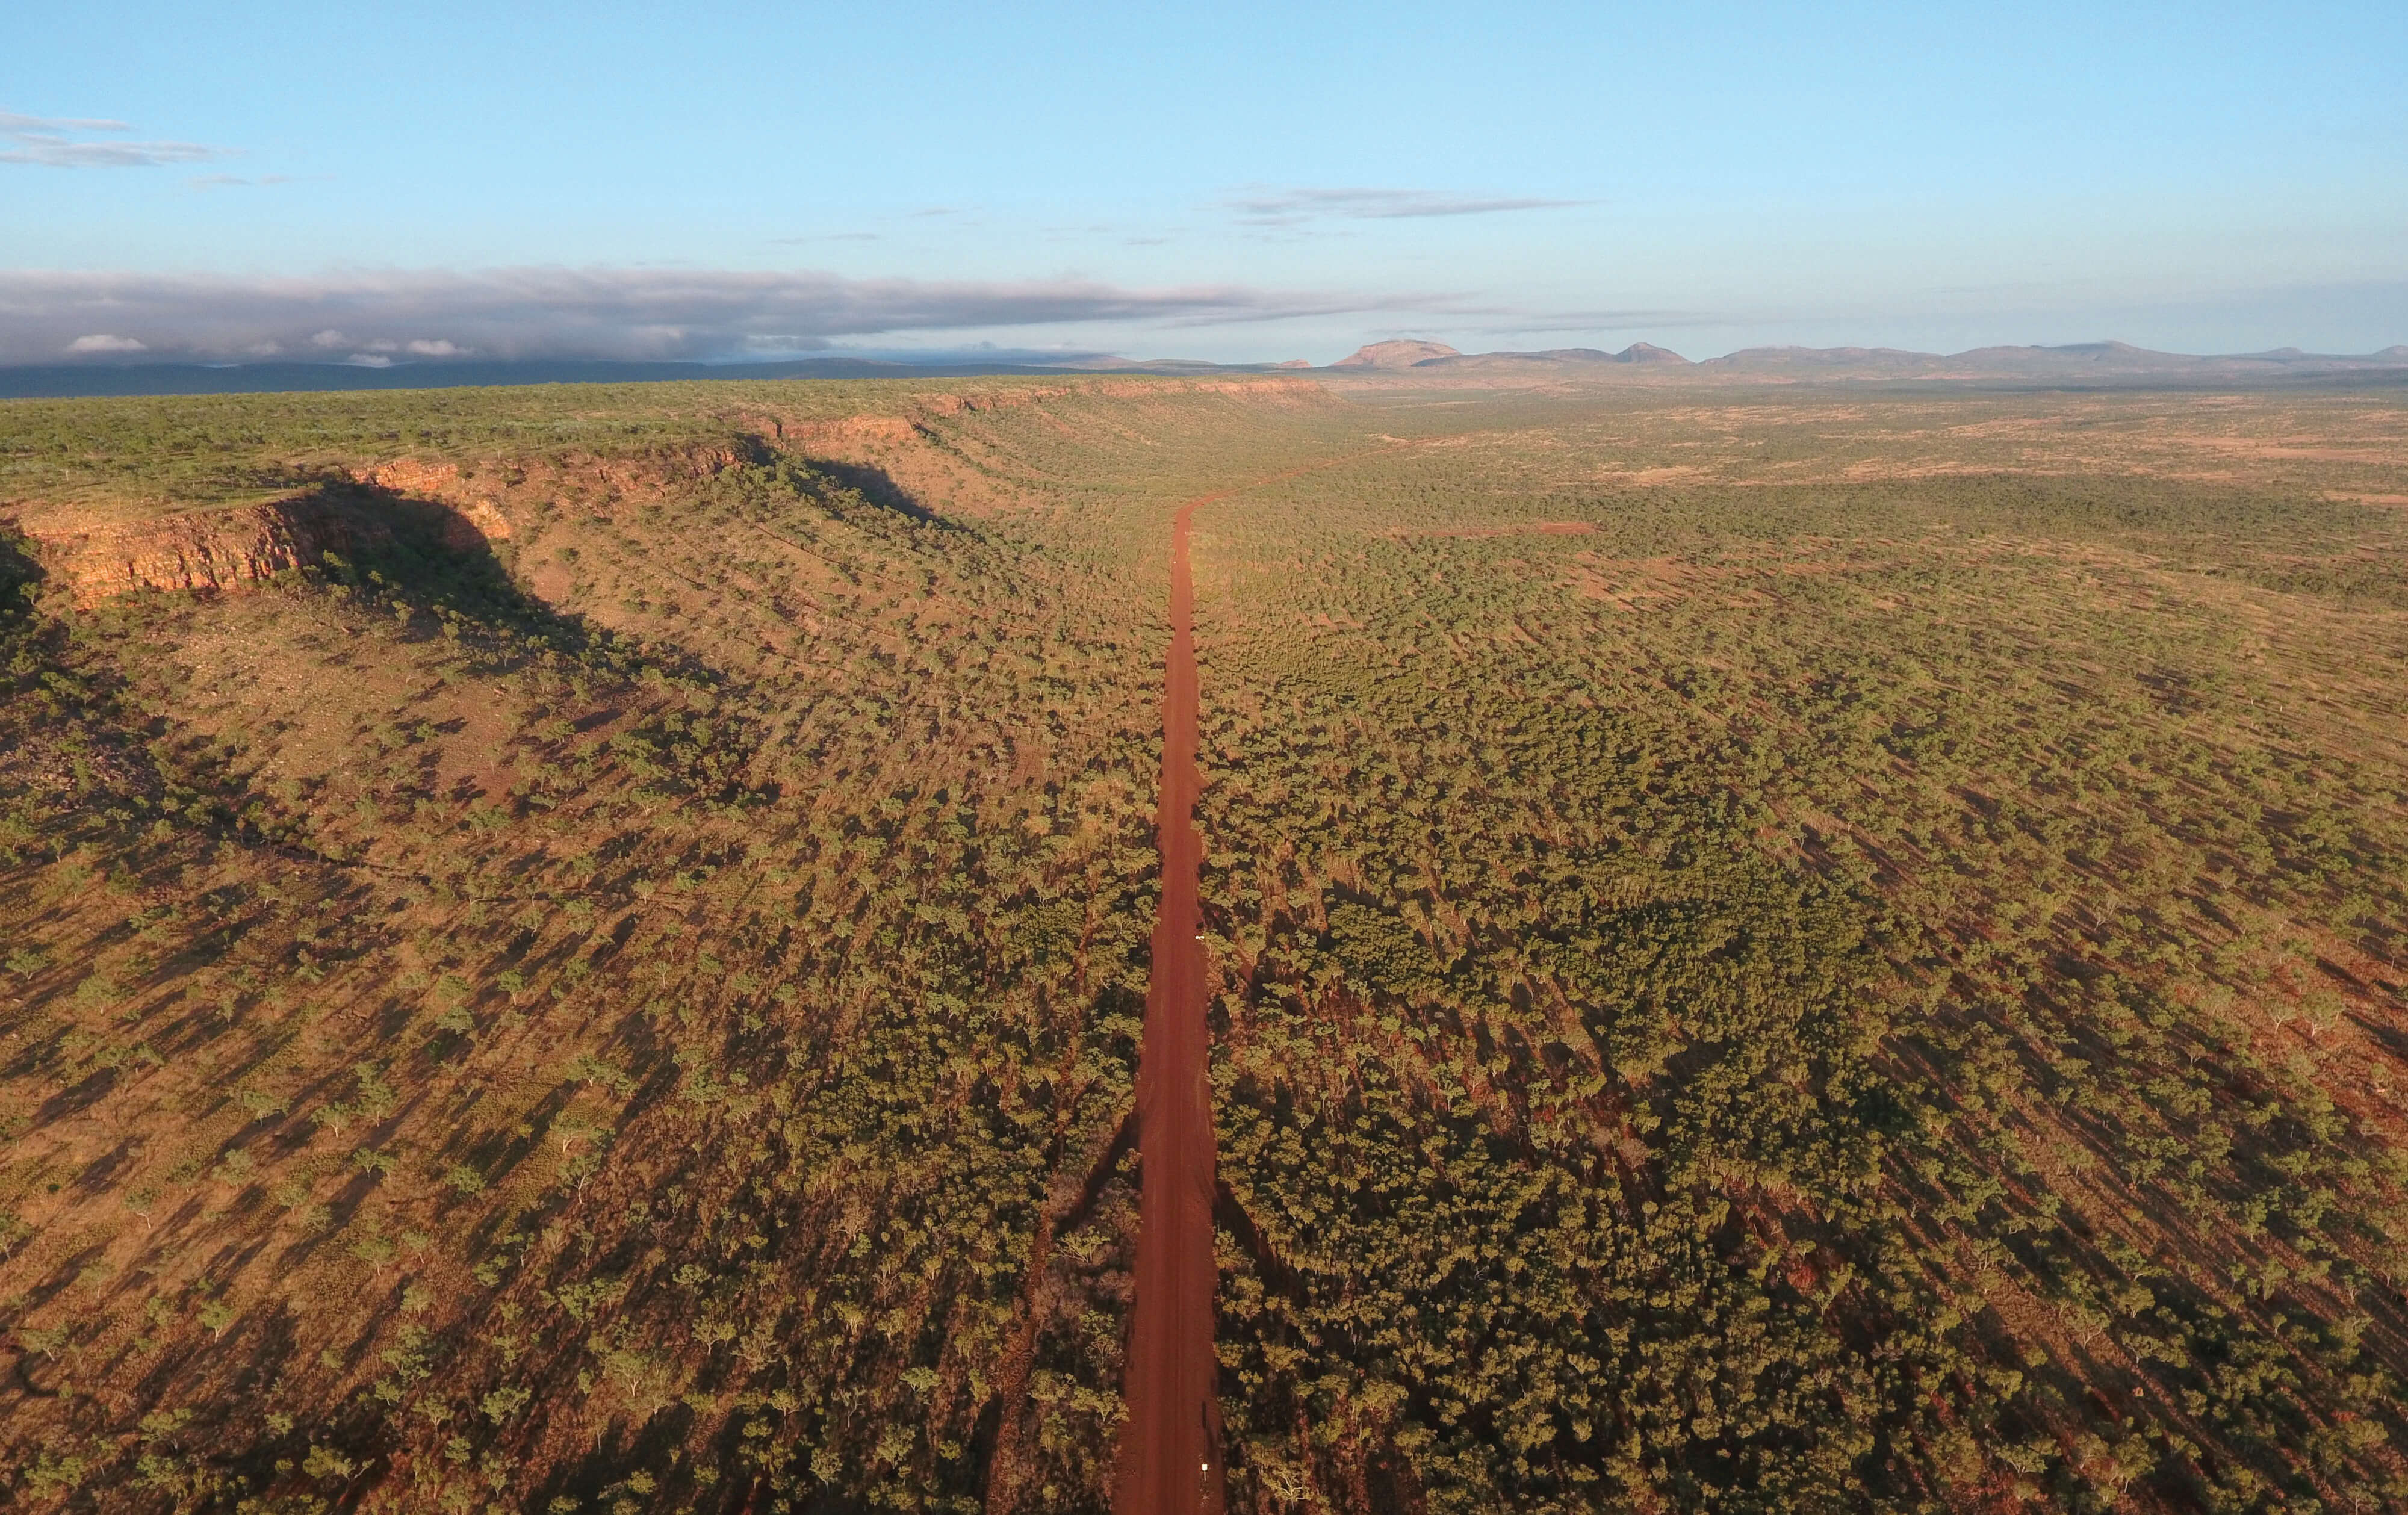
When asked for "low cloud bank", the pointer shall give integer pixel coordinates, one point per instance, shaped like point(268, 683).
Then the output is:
point(526, 313)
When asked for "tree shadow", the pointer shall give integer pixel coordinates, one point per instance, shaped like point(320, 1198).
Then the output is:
point(426, 562)
point(878, 487)
point(21, 577)
point(432, 557)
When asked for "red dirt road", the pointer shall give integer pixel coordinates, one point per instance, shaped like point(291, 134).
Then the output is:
point(1170, 1445)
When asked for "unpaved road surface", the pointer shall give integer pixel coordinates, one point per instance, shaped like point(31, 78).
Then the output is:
point(1170, 1445)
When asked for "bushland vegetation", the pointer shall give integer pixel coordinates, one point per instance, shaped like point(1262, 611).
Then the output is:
point(1875, 990)
point(625, 1048)
point(1777, 953)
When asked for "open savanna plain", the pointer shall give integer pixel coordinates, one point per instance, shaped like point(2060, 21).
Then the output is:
point(1809, 950)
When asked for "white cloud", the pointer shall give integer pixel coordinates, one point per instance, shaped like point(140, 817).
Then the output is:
point(11, 123)
point(103, 342)
point(597, 312)
point(63, 142)
point(1287, 208)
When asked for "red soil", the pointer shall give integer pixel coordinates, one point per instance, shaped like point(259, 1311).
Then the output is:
point(1170, 1447)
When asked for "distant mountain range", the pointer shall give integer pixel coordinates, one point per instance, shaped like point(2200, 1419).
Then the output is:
point(1413, 354)
point(1400, 361)
point(2084, 361)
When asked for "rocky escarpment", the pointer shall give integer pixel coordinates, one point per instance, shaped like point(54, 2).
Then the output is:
point(95, 552)
point(230, 550)
point(93, 555)
point(225, 552)
point(474, 518)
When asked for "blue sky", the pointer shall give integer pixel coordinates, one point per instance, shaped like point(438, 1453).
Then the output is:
point(1239, 181)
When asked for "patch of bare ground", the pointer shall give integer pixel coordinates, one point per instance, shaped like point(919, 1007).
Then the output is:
point(1662, 474)
point(1538, 528)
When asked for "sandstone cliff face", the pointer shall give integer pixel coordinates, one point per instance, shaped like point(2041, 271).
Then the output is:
point(225, 551)
point(477, 521)
point(231, 550)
